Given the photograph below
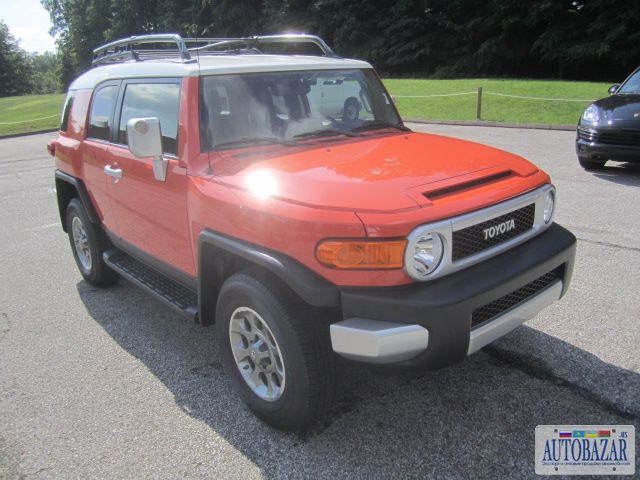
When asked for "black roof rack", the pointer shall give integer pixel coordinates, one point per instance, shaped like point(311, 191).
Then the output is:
point(173, 46)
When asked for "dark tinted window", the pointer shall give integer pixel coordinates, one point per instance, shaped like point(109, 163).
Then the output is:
point(632, 85)
point(160, 100)
point(65, 112)
point(102, 112)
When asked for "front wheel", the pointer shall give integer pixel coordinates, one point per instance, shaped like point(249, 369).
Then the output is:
point(275, 352)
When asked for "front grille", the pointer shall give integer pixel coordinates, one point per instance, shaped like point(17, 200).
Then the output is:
point(629, 138)
point(501, 305)
point(475, 239)
point(620, 137)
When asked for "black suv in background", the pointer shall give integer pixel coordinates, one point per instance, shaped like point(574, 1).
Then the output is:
point(609, 129)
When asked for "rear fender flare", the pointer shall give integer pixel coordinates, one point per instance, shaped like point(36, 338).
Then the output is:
point(68, 187)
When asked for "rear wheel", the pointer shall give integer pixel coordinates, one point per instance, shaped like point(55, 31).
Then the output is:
point(88, 243)
point(589, 164)
point(275, 352)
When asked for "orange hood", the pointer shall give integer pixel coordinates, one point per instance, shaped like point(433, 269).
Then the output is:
point(381, 173)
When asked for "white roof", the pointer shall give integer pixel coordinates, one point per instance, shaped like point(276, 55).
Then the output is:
point(212, 65)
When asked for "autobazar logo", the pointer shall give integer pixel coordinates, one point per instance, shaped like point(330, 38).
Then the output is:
point(585, 449)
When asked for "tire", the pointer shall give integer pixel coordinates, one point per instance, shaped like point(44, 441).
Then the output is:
point(294, 341)
point(590, 165)
point(88, 243)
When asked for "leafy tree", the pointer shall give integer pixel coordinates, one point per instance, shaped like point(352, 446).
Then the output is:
point(45, 77)
point(591, 39)
point(81, 26)
point(582, 39)
point(15, 68)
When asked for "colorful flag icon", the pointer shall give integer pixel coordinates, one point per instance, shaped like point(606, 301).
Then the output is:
point(565, 434)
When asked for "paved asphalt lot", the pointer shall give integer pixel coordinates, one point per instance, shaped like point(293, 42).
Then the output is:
point(111, 384)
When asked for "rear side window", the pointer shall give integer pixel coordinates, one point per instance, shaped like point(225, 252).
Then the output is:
point(160, 100)
point(102, 112)
point(65, 112)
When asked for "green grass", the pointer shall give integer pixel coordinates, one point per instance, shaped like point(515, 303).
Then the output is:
point(495, 108)
point(29, 107)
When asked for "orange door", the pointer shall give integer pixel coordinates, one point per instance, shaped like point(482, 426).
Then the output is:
point(150, 214)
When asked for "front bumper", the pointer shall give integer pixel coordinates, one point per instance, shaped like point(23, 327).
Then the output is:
point(439, 313)
point(603, 152)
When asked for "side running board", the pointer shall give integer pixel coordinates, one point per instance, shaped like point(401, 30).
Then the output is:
point(173, 294)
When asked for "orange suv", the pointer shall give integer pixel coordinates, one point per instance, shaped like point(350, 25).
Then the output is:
point(268, 186)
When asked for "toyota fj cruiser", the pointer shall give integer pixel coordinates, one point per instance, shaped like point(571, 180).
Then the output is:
point(281, 197)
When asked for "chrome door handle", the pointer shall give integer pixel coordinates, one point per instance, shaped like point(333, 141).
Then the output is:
point(113, 172)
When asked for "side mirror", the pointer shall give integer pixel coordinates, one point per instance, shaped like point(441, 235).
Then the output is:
point(614, 88)
point(145, 140)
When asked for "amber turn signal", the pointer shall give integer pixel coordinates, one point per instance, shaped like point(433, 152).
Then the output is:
point(361, 254)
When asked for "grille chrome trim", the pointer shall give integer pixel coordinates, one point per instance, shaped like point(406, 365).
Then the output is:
point(503, 324)
point(446, 228)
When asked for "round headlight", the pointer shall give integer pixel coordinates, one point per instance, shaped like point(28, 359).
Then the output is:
point(424, 254)
point(591, 114)
point(549, 205)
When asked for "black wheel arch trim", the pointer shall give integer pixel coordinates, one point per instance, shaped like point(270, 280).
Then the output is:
point(64, 178)
point(308, 285)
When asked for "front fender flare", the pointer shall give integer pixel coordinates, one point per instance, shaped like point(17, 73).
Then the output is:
point(214, 248)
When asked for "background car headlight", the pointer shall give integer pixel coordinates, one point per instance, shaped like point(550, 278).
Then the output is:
point(591, 114)
point(424, 254)
point(549, 205)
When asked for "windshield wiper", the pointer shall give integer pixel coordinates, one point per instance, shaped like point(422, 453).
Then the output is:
point(249, 141)
point(325, 132)
point(373, 125)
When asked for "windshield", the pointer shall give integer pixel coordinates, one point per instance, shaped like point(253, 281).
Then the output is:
point(268, 107)
point(632, 85)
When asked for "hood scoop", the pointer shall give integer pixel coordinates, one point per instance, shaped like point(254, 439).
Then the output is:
point(468, 185)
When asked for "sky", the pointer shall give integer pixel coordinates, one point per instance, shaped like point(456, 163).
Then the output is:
point(29, 23)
